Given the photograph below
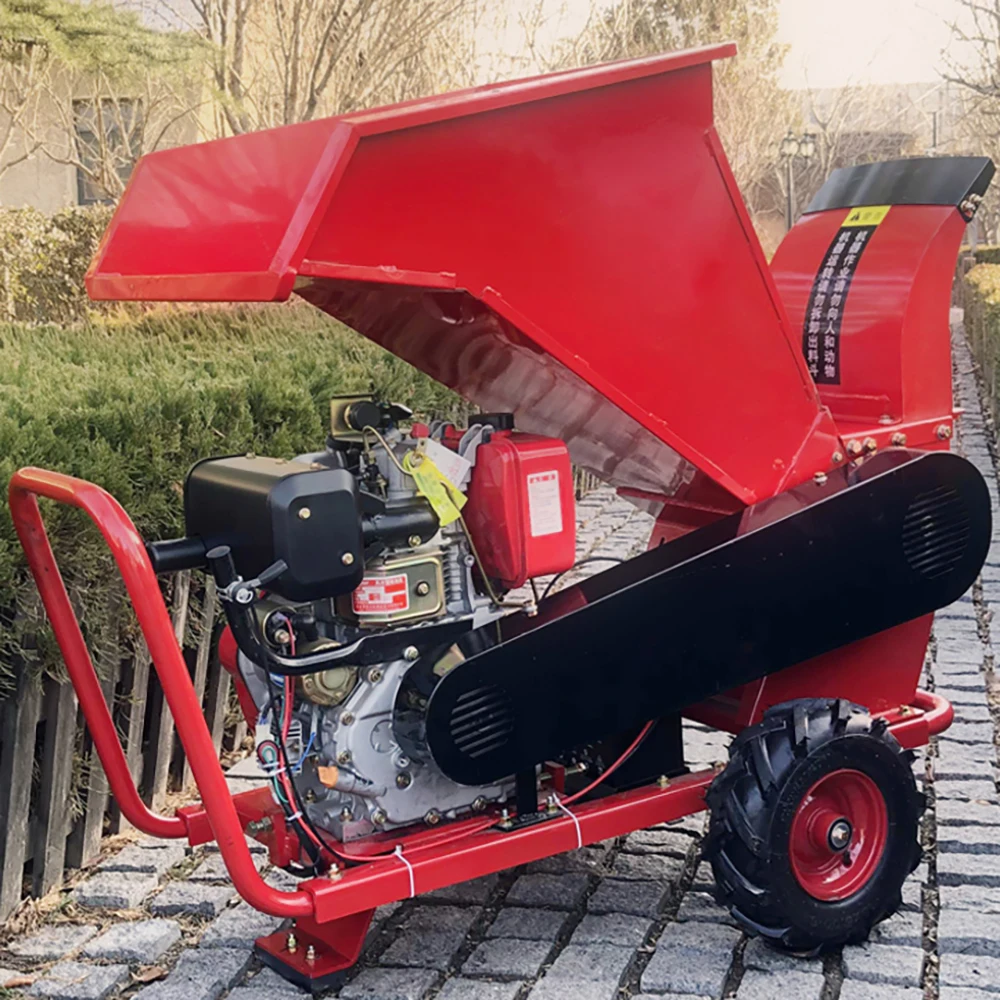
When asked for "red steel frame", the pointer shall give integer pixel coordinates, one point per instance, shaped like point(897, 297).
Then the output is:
point(332, 913)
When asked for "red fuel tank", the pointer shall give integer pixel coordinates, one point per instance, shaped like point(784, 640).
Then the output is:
point(521, 511)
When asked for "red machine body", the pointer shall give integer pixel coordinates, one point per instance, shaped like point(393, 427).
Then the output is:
point(522, 512)
point(571, 249)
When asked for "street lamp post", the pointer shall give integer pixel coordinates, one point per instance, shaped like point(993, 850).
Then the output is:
point(794, 147)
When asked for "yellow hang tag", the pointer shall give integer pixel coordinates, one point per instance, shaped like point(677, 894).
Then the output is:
point(441, 493)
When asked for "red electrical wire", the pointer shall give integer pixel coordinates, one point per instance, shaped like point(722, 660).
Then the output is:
point(608, 771)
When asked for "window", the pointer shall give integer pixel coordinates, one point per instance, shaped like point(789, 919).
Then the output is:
point(108, 139)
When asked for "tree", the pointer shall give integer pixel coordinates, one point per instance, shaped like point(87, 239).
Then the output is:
point(88, 85)
point(275, 62)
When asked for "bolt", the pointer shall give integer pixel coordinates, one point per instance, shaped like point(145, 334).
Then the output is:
point(292, 944)
point(379, 817)
point(346, 719)
point(871, 444)
point(432, 818)
point(346, 815)
point(469, 561)
point(374, 675)
point(411, 653)
point(853, 447)
point(663, 781)
point(347, 558)
point(305, 513)
point(403, 780)
point(898, 439)
point(259, 826)
point(479, 804)
point(402, 762)
point(310, 954)
point(820, 479)
point(423, 588)
point(837, 457)
point(344, 757)
point(310, 795)
point(840, 835)
point(282, 636)
point(943, 432)
point(885, 419)
point(414, 541)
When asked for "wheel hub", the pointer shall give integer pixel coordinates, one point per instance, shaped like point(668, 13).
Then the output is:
point(838, 835)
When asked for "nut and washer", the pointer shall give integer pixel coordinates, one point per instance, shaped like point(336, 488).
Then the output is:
point(820, 479)
point(411, 653)
point(346, 718)
point(871, 444)
point(305, 513)
point(414, 541)
point(344, 757)
point(403, 780)
point(837, 457)
point(898, 440)
point(374, 675)
point(943, 432)
point(379, 817)
point(423, 588)
point(346, 815)
point(432, 818)
point(347, 558)
point(854, 447)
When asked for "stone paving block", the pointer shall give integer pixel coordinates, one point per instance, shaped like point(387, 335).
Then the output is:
point(389, 984)
point(53, 942)
point(902, 928)
point(238, 927)
point(691, 958)
point(959, 761)
point(114, 890)
point(78, 981)
point(891, 965)
point(622, 929)
point(971, 932)
point(979, 898)
point(477, 891)
point(140, 941)
point(969, 839)
point(528, 923)
point(969, 732)
point(254, 846)
point(760, 956)
point(428, 949)
point(758, 985)
point(673, 842)
point(964, 993)
point(477, 989)
point(507, 957)
point(975, 971)
point(441, 918)
point(702, 906)
point(192, 899)
point(562, 892)
point(981, 790)
point(958, 694)
point(704, 880)
point(853, 990)
point(586, 859)
point(955, 813)
point(559, 989)
point(648, 867)
point(268, 979)
point(148, 858)
point(217, 968)
point(213, 868)
point(973, 713)
point(968, 869)
point(643, 899)
point(593, 963)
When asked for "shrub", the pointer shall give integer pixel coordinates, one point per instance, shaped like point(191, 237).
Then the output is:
point(130, 402)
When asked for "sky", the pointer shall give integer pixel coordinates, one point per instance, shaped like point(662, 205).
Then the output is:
point(865, 41)
point(835, 42)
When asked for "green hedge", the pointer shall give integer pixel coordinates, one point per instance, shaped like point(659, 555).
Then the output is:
point(132, 402)
point(982, 325)
point(987, 255)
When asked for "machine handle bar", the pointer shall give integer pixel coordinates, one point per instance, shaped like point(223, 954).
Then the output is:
point(143, 589)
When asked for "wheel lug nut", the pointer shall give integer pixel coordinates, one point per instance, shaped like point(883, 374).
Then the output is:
point(840, 835)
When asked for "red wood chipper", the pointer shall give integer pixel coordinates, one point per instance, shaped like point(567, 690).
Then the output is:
point(570, 253)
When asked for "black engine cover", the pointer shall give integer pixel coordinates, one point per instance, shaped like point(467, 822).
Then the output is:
point(788, 579)
point(266, 509)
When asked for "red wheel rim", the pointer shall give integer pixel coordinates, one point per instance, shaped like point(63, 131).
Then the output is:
point(843, 808)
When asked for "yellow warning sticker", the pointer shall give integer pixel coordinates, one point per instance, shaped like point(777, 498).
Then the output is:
point(869, 215)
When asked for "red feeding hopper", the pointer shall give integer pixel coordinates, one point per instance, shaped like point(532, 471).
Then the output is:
point(572, 248)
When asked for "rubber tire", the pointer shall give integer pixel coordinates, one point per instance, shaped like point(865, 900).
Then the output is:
point(754, 800)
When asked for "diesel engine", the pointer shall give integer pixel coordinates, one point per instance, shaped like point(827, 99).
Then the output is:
point(339, 570)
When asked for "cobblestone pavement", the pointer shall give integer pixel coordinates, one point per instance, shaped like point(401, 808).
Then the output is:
point(626, 919)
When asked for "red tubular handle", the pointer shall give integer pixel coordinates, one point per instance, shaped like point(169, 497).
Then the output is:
point(140, 581)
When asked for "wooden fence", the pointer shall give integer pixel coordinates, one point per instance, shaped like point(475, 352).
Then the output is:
point(54, 801)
